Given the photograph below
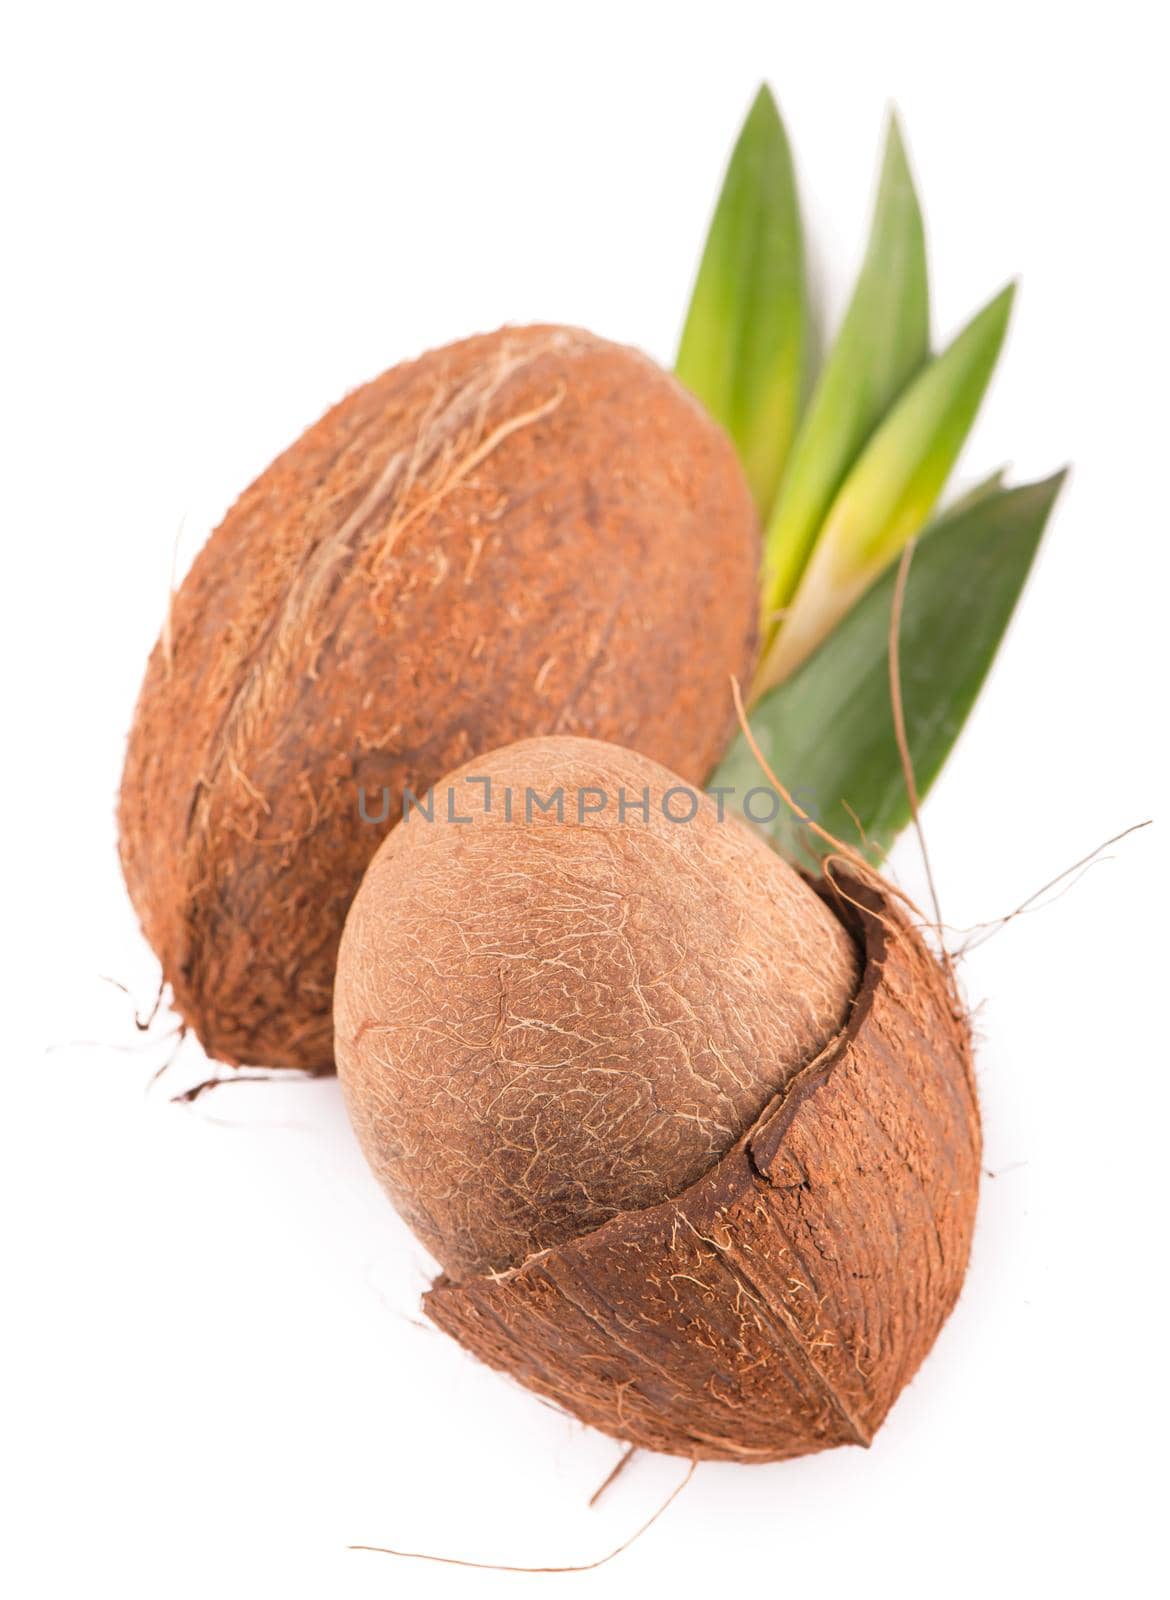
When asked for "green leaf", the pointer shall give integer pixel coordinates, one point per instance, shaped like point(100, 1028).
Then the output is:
point(983, 490)
point(828, 732)
point(888, 496)
point(743, 345)
point(883, 342)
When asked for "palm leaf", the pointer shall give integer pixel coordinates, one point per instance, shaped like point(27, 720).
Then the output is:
point(828, 732)
point(891, 491)
point(883, 342)
point(743, 345)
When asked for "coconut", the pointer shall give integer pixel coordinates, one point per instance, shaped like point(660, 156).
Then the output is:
point(560, 1010)
point(532, 531)
point(696, 1146)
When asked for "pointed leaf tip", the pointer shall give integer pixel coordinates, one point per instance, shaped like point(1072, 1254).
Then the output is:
point(743, 344)
point(895, 147)
point(765, 101)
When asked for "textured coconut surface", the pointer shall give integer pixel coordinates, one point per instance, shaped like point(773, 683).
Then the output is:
point(548, 1017)
point(780, 1304)
point(532, 531)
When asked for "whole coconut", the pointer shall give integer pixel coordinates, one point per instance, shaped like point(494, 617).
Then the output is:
point(532, 531)
point(546, 1017)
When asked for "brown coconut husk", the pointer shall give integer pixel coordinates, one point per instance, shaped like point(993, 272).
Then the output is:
point(779, 1305)
point(533, 531)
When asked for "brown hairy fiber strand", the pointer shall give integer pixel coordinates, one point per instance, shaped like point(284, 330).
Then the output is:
point(541, 1024)
point(532, 531)
point(799, 1165)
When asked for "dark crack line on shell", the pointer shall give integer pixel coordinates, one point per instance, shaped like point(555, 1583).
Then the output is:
point(781, 1320)
point(783, 1331)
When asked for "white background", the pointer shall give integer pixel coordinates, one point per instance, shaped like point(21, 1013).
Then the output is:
point(217, 221)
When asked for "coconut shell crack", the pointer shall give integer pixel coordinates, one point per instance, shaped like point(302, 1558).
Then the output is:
point(780, 1304)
